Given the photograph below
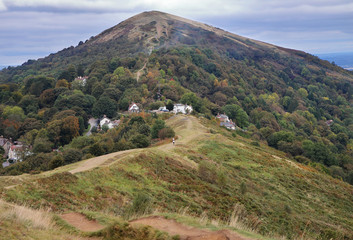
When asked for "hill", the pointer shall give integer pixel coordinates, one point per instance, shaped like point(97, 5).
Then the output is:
point(209, 179)
point(295, 108)
point(341, 59)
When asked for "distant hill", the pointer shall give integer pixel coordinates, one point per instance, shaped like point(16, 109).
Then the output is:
point(344, 60)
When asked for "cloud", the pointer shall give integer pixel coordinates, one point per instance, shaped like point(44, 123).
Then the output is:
point(196, 7)
point(2, 6)
point(35, 28)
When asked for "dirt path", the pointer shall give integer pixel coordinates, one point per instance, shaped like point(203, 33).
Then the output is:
point(186, 127)
point(140, 72)
point(80, 222)
point(101, 160)
point(185, 232)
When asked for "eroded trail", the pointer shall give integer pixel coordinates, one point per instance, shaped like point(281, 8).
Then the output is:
point(185, 232)
point(80, 222)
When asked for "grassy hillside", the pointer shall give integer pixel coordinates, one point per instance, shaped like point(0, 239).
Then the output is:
point(211, 174)
point(294, 101)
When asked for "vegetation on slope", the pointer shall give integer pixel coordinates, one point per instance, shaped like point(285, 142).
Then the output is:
point(210, 175)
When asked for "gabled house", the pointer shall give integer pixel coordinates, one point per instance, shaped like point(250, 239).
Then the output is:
point(82, 81)
point(222, 118)
point(108, 122)
point(133, 108)
point(18, 152)
point(225, 121)
point(182, 108)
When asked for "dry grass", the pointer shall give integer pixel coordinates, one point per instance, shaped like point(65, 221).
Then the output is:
point(237, 219)
point(40, 219)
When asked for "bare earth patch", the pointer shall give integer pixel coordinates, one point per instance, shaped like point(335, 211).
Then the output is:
point(80, 222)
point(185, 232)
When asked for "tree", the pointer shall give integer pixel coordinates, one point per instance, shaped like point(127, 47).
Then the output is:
point(191, 99)
point(157, 126)
point(166, 132)
point(70, 129)
point(47, 98)
point(170, 105)
point(144, 129)
point(36, 85)
point(97, 90)
point(105, 106)
point(72, 155)
point(42, 145)
point(62, 83)
point(13, 113)
point(29, 103)
point(140, 140)
point(237, 114)
point(276, 137)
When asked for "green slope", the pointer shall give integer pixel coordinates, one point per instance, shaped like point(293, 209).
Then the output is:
point(209, 175)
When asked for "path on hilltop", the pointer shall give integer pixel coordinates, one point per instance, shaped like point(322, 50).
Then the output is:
point(187, 128)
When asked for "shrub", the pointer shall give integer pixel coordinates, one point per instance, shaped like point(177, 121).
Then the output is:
point(166, 133)
point(255, 143)
point(140, 205)
point(144, 129)
point(243, 188)
point(94, 129)
point(157, 126)
point(57, 161)
point(72, 155)
point(140, 140)
point(207, 172)
point(96, 149)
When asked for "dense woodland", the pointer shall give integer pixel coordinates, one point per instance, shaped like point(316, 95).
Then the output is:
point(282, 97)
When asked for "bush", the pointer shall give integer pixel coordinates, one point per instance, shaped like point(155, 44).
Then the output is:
point(144, 129)
point(141, 204)
point(166, 133)
point(140, 140)
point(243, 188)
point(96, 149)
point(207, 172)
point(57, 161)
point(72, 155)
point(157, 126)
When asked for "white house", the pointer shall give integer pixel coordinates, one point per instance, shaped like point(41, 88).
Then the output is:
point(182, 108)
point(223, 117)
point(108, 122)
point(133, 108)
point(225, 121)
point(18, 152)
point(82, 81)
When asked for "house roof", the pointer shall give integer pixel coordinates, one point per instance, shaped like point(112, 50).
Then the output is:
point(132, 105)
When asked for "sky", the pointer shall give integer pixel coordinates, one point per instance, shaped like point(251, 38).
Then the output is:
point(30, 29)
